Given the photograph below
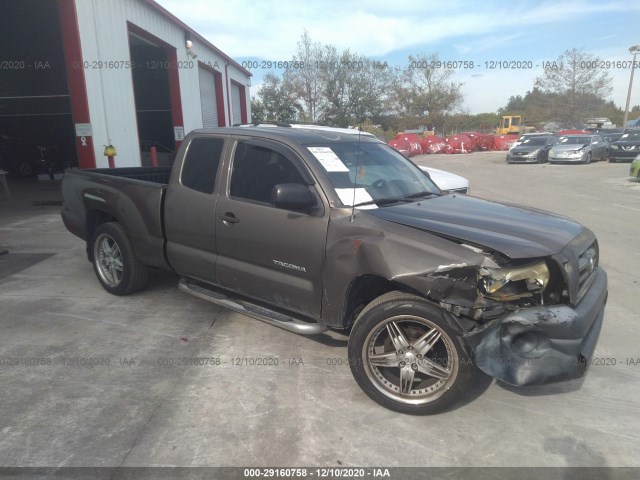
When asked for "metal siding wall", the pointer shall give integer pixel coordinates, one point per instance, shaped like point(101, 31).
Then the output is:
point(108, 35)
point(109, 90)
point(208, 98)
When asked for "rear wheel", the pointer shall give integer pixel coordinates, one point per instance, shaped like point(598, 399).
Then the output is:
point(405, 356)
point(115, 264)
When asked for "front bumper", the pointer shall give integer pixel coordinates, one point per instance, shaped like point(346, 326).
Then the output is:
point(541, 345)
point(622, 157)
point(567, 159)
point(521, 159)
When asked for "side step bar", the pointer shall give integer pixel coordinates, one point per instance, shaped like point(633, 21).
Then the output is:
point(271, 317)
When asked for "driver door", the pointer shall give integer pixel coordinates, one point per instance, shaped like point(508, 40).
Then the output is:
point(264, 252)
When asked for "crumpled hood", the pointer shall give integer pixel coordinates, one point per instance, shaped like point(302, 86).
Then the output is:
point(515, 231)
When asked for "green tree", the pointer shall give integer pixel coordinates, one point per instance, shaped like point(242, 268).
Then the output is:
point(482, 122)
point(305, 81)
point(275, 101)
point(427, 93)
point(354, 88)
point(578, 88)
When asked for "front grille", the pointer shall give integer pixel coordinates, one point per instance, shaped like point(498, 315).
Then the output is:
point(587, 265)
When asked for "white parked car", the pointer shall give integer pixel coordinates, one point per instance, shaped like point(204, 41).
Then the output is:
point(447, 182)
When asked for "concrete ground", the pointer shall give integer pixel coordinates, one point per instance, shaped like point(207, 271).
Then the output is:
point(161, 378)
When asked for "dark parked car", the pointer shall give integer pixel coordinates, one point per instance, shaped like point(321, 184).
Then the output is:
point(611, 137)
point(310, 229)
point(532, 150)
point(626, 148)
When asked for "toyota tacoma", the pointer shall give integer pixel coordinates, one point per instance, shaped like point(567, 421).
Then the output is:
point(313, 229)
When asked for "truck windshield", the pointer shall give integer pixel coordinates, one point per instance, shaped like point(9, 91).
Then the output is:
point(366, 173)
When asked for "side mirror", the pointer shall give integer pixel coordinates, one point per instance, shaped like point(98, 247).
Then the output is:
point(292, 196)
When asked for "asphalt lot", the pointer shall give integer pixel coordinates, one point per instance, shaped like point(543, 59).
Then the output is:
point(161, 378)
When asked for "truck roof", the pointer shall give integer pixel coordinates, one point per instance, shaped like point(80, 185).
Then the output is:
point(302, 134)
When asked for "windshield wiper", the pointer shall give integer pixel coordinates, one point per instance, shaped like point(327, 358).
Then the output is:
point(392, 200)
point(383, 201)
point(421, 194)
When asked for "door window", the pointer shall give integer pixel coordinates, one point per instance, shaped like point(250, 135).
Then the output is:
point(257, 169)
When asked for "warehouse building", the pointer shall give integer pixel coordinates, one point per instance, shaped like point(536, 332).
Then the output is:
point(79, 75)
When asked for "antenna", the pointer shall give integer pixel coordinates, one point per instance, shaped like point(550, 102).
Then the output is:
point(355, 180)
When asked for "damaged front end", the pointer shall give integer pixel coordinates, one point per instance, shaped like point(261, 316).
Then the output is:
point(526, 322)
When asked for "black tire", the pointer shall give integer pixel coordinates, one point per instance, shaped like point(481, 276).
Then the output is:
point(116, 266)
point(433, 382)
point(588, 160)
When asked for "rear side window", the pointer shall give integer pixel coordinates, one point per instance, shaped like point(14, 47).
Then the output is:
point(201, 164)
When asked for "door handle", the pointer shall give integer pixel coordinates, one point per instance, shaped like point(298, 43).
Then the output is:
point(229, 218)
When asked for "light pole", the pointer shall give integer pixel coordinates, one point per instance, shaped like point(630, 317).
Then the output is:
point(634, 50)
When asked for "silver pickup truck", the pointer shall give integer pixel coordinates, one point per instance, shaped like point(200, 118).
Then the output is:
point(310, 229)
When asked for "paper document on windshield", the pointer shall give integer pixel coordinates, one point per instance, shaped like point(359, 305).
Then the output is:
point(328, 159)
point(354, 196)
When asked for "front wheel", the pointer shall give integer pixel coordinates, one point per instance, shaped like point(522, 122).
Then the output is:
point(405, 356)
point(115, 263)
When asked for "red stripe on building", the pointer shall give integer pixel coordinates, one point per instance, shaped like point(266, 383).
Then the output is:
point(174, 92)
point(220, 99)
point(243, 103)
point(75, 79)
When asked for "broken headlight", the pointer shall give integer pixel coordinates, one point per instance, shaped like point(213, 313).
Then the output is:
point(506, 284)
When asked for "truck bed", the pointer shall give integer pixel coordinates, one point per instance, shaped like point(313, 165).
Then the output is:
point(131, 196)
point(146, 174)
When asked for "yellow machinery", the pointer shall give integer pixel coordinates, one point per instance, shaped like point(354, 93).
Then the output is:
point(512, 124)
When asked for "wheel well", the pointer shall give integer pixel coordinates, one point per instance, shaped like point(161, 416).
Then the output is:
point(94, 219)
point(362, 291)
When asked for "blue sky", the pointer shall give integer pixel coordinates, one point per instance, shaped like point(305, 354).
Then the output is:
point(390, 31)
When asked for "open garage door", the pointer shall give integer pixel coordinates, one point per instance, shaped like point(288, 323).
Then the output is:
point(36, 126)
point(152, 90)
